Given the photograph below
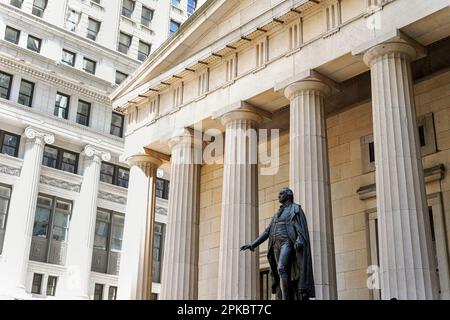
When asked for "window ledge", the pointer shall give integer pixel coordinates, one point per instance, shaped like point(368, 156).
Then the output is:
point(98, 5)
point(148, 28)
point(128, 19)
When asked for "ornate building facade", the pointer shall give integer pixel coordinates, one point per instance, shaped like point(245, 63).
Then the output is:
point(355, 95)
point(63, 189)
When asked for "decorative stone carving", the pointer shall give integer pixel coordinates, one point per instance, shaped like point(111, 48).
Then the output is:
point(96, 153)
point(112, 197)
point(9, 170)
point(60, 184)
point(35, 134)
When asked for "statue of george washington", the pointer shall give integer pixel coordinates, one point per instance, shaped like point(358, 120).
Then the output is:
point(289, 251)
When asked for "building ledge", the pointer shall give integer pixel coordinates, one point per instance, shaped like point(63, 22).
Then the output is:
point(432, 174)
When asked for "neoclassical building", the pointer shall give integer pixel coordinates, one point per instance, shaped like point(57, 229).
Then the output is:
point(63, 189)
point(359, 93)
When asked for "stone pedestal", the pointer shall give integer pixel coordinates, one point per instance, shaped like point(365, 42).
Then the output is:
point(309, 177)
point(137, 245)
point(403, 223)
point(180, 268)
point(82, 225)
point(239, 271)
point(16, 249)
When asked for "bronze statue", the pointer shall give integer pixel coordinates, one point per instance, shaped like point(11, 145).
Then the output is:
point(289, 251)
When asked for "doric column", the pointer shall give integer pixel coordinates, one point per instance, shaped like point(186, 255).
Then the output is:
point(137, 245)
point(403, 223)
point(82, 224)
point(238, 271)
point(309, 177)
point(17, 243)
point(180, 267)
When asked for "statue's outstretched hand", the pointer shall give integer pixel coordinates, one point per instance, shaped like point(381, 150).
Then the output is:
point(247, 247)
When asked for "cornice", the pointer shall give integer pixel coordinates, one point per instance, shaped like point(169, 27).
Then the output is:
point(51, 79)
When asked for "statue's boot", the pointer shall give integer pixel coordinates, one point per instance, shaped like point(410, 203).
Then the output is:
point(284, 283)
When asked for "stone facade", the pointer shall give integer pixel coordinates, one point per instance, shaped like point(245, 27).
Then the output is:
point(47, 53)
point(359, 94)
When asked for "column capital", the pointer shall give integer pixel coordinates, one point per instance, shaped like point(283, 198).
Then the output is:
point(186, 136)
point(42, 136)
point(389, 47)
point(144, 161)
point(96, 153)
point(245, 112)
point(307, 85)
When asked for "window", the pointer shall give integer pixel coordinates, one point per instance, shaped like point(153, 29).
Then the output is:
point(107, 242)
point(83, 113)
point(26, 93)
point(89, 65)
point(5, 197)
point(72, 20)
point(191, 6)
point(98, 291)
point(427, 136)
point(39, 7)
point(124, 43)
point(96, 1)
point(117, 121)
point(173, 27)
point(12, 35)
point(60, 159)
point(144, 50)
point(158, 245)
point(162, 188)
point(9, 143)
point(112, 293)
point(93, 29)
point(120, 77)
point(127, 8)
point(115, 175)
point(50, 230)
point(37, 283)
point(62, 105)
point(16, 3)
point(34, 44)
point(146, 16)
point(175, 3)
point(68, 57)
point(5, 85)
point(51, 285)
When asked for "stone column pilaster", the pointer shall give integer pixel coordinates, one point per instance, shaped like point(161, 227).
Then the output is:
point(180, 268)
point(310, 179)
point(17, 243)
point(137, 245)
point(82, 224)
point(238, 271)
point(403, 223)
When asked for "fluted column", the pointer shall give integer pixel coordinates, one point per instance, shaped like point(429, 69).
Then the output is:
point(82, 225)
point(403, 223)
point(136, 259)
point(17, 243)
point(238, 271)
point(310, 179)
point(180, 267)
